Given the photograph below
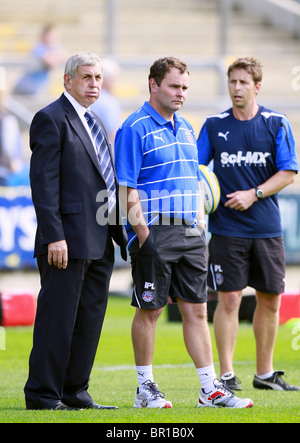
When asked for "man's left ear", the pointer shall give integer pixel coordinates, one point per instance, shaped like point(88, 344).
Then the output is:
point(258, 87)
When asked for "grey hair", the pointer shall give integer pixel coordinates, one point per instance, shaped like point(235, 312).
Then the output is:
point(83, 58)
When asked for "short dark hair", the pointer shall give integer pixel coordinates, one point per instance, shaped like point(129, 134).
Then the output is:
point(163, 65)
point(249, 64)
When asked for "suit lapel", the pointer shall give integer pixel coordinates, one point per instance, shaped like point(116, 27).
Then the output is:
point(79, 128)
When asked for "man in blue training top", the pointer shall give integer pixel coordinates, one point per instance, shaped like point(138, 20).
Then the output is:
point(156, 162)
point(254, 157)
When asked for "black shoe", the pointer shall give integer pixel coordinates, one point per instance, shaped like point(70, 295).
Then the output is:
point(274, 382)
point(94, 405)
point(56, 407)
point(231, 382)
point(62, 407)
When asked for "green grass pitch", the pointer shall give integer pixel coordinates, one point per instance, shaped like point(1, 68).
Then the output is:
point(113, 379)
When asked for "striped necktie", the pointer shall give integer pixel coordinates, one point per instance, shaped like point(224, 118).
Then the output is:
point(103, 158)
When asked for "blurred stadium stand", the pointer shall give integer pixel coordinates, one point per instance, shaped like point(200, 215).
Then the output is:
point(208, 34)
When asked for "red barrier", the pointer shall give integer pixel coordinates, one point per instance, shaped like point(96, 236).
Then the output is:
point(18, 308)
point(290, 306)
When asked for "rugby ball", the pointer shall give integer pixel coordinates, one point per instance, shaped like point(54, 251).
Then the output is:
point(211, 189)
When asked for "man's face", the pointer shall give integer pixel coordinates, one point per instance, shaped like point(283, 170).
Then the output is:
point(242, 89)
point(171, 94)
point(86, 86)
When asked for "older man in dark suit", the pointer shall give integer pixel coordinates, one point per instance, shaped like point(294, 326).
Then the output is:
point(75, 194)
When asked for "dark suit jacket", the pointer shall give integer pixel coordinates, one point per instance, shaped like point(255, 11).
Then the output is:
point(65, 180)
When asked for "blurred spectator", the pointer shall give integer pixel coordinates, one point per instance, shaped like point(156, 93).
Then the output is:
point(46, 55)
point(108, 107)
point(11, 164)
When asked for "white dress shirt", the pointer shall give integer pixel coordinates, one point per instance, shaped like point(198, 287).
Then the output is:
point(81, 110)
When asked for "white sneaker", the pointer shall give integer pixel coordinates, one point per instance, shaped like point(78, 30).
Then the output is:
point(150, 397)
point(222, 397)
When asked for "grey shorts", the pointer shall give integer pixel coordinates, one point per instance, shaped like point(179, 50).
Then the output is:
point(171, 262)
point(235, 263)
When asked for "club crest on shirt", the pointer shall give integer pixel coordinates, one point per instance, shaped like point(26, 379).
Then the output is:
point(189, 137)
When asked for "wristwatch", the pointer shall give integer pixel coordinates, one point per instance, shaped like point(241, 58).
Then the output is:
point(259, 193)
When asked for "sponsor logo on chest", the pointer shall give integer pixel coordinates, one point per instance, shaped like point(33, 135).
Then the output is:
point(244, 158)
